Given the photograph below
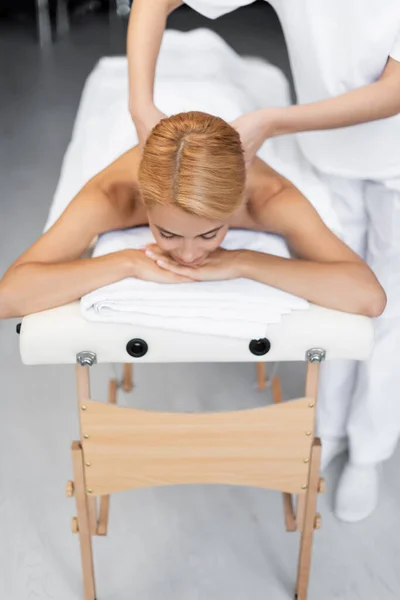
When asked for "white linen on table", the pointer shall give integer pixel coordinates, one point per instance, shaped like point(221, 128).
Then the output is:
point(238, 308)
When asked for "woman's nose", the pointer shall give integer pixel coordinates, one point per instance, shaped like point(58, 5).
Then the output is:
point(188, 253)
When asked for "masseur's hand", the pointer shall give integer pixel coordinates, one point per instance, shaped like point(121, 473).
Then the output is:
point(143, 267)
point(254, 128)
point(145, 121)
point(220, 265)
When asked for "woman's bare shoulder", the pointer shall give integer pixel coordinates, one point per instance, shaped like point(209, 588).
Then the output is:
point(123, 172)
point(108, 201)
point(120, 184)
point(264, 187)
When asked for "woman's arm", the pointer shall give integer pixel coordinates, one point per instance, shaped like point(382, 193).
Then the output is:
point(35, 286)
point(378, 100)
point(146, 27)
point(344, 286)
point(51, 273)
point(325, 271)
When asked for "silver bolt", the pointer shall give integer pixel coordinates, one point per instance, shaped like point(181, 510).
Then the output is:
point(315, 355)
point(86, 358)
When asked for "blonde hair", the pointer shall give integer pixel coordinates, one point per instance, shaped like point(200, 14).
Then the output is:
point(194, 161)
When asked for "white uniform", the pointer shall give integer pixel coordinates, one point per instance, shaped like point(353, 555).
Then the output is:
point(335, 47)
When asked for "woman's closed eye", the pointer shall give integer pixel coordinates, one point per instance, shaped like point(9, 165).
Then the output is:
point(206, 236)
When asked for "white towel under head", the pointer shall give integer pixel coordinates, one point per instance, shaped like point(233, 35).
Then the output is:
point(239, 308)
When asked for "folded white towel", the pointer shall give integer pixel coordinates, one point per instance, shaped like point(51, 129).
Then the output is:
point(238, 308)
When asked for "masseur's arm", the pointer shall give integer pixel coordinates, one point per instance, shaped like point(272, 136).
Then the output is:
point(146, 27)
point(325, 271)
point(377, 100)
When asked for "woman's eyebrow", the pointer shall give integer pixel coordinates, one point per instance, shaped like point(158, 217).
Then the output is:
point(199, 235)
point(211, 231)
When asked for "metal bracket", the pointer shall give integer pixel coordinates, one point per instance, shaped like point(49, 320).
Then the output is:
point(86, 358)
point(315, 355)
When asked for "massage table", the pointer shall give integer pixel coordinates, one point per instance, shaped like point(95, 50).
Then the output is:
point(122, 448)
point(119, 449)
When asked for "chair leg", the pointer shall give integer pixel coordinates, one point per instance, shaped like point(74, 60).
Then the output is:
point(261, 376)
point(92, 512)
point(290, 517)
point(276, 389)
point(309, 523)
point(311, 391)
point(300, 511)
point(127, 380)
point(105, 500)
point(84, 528)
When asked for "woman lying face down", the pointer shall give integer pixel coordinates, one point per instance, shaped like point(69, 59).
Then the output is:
point(192, 182)
point(190, 186)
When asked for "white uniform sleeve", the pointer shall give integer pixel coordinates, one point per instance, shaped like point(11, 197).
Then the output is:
point(395, 51)
point(216, 8)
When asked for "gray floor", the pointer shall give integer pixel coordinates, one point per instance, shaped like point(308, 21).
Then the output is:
point(190, 542)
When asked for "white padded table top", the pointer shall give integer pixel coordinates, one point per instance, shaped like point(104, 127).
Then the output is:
point(56, 336)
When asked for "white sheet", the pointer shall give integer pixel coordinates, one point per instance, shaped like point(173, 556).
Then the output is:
point(238, 308)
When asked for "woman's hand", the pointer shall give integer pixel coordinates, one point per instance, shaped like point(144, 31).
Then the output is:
point(143, 267)
point(255, 127)
point(220, 265)
point(145, 121)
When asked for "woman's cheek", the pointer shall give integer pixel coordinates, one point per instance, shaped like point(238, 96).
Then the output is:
point(164, 244)
point(220, 237)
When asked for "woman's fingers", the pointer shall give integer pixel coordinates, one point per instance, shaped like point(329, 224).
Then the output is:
point(180, 278)
point(153, 252)
point(175, 268)
point(170, 266)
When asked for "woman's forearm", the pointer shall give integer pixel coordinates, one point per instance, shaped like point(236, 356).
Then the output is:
point(145, 31)
point(349, 287)
point(378, 100)
point(32, 287)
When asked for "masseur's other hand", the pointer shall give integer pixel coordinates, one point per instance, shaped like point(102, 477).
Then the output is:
point(143, 267)
point(254, 128)
point(145, 120)
point(220, 265)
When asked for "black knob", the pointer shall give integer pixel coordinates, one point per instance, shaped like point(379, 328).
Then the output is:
point(137, 348)
point(260, 347)
point(18, 328)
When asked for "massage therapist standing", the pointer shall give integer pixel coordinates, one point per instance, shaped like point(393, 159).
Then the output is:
point(345, 59)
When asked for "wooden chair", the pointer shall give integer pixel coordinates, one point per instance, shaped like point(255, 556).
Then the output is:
point(122, 449)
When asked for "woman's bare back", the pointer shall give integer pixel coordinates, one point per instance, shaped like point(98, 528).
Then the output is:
point(121, 183)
